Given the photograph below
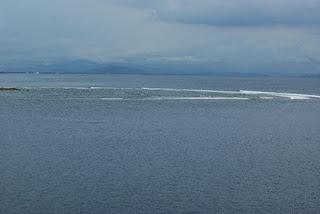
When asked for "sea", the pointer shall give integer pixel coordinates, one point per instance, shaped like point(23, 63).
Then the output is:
point(159, 144)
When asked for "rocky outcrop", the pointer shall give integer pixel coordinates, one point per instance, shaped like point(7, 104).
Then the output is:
point(9, 89)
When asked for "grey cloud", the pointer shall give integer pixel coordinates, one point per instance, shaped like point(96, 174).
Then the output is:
point(234, 12)
point(152, 32)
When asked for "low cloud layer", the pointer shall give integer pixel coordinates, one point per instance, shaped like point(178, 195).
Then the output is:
point(234, 12)
point(229, 35)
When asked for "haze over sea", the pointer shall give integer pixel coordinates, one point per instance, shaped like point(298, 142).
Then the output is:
point(159, 144)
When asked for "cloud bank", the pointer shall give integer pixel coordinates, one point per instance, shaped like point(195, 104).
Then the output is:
point(234, 12)
point(230, 35)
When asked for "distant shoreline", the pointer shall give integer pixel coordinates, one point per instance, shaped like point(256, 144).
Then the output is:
point(231, 75)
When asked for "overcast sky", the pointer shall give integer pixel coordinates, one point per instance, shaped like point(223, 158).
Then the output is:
point(233, 35)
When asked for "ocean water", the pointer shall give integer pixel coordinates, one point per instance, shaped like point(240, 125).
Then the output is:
point(159, 144)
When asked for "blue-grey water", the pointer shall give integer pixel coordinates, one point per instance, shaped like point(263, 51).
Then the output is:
point(140, 144)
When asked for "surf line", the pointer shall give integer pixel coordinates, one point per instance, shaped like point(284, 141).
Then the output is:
point(241, 92)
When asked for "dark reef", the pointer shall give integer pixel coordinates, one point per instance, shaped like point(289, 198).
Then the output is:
point(9, 89)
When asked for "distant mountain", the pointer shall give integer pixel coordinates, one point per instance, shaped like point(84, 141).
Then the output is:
point(117, 69)
point(80, 67)
point(312, 76)
point(83, 66)
point(70, 66)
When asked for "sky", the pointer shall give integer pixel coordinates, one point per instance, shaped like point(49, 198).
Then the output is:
point(213, 35)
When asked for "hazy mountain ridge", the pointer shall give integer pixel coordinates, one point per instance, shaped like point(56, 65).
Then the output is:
point(84, 66)
point(78, 67)
point(117, 69)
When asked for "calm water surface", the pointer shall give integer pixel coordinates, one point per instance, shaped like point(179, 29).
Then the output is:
point(68, 148)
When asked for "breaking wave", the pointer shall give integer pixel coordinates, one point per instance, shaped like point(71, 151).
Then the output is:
point(144, 93)
point(243, 92)
point(180, 98)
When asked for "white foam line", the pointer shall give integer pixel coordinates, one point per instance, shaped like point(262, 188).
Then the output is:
point(292, 96)
point(241, 92)
point(180, 98)
point(266, 98)
point(48, 87)
point(245, 92)
point(191, 90)
point(112, 98)
point(196, 98)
